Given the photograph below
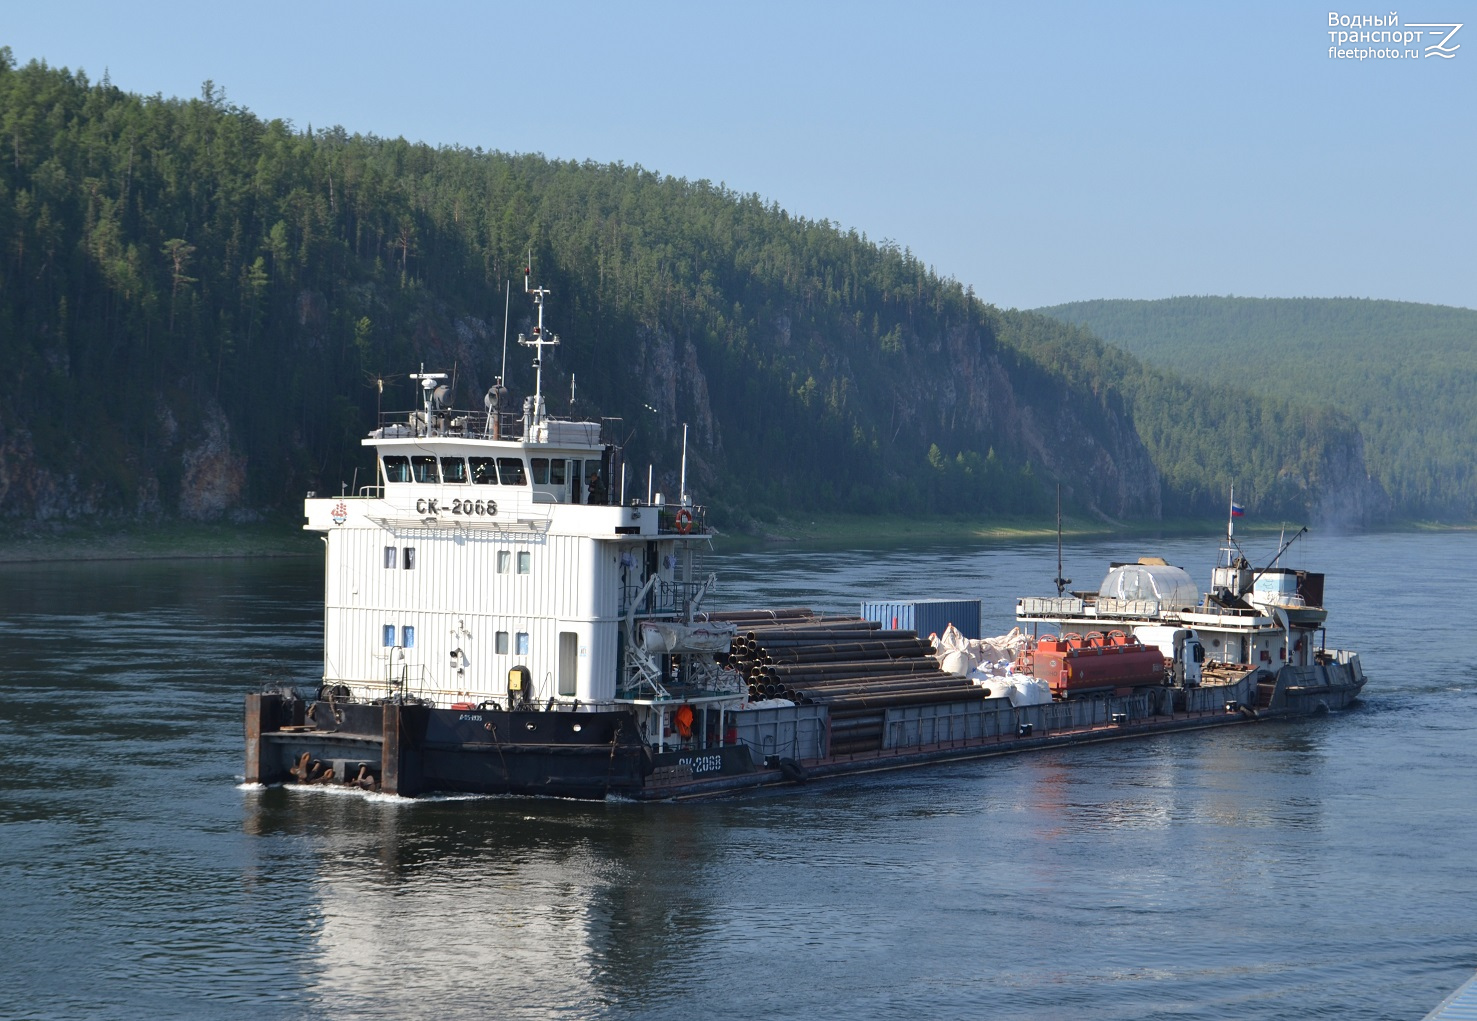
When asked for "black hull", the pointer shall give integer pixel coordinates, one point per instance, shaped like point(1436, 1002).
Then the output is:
point(413, 750)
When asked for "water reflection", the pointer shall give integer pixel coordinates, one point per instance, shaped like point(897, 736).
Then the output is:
point(563, 903)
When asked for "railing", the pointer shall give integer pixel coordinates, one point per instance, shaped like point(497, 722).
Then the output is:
point(1049, 607)
point(507, 425)
point(670, 518)
point(1111, 606)
point(664, 599)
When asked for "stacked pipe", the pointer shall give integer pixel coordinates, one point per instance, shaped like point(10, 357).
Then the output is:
point(854, 667)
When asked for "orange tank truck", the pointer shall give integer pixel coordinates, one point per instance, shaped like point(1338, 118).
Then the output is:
point(1074, 664)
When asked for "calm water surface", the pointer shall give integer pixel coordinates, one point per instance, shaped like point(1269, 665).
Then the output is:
point(1291, 870)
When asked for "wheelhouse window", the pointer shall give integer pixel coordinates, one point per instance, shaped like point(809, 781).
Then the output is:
point(521, 643)
point(397, 468)
point(423, 468)
point(392, 557)
point(510, 470)
point(539, 468)
point(500, 643)
point(407, 636)
point(453, 469)
point(525, 561)
point(557, 473)
point(484, 471)
point(408, 558)
point(504, 561)
point(387, 636)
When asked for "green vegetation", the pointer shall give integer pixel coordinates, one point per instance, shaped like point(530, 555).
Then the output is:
point(1205, 439)
point(199, 308)
point(1406, 373)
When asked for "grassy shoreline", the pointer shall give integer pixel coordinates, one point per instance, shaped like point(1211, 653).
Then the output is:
point(166, 540)
point(43, 542)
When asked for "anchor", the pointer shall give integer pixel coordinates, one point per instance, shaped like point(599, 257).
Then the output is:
point(310, 770)
point(364, 781)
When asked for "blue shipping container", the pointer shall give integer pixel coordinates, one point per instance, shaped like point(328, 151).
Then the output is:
point(927, 616)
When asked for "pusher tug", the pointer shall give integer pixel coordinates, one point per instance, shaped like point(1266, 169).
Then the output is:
point(501, 616)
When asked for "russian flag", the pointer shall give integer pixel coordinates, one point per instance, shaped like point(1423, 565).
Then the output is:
point(1237, 510)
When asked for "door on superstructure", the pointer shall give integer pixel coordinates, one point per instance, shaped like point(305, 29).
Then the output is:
point(569, 649)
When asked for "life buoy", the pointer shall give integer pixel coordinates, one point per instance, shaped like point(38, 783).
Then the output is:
point(684, 521)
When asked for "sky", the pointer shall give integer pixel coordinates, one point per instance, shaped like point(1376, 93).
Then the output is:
point(1041, 152)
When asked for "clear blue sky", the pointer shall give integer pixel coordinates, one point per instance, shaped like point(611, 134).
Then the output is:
point(1041, 152)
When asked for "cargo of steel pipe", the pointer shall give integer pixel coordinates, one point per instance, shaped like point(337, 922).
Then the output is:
point(780, 639)
point(844, 642)
point(919, 679)
point(739, 616)
point(824, 654)
point(815, 624)
point(856, 722)
point(860, 667)
point(892, 701)
point(862, 734)
point(828, 682)
point(787, 658)
point(820, 694)
point(813, 631)
point(881, 699)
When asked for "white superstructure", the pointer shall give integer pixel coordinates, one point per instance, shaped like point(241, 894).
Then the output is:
point(497, 559)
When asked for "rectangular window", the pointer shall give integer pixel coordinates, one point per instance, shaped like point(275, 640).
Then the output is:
point(569, 648)
point(521, 643)
point(525, 561)
point(423, 468)
point(407, 636)
point(484, 471)
point(500, 644)
point(397, 468)
point(540, 467)
point(453, 469)
point(392, 557)
point(557, 474)
point(504, 561)
point(388, 636)
point(510, 470)
point(409, 560)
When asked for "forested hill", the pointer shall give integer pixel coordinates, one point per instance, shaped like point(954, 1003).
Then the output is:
point(197, 307)
point(1406, 373)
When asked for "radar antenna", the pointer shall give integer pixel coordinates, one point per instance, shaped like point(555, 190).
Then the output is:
point(433, 393)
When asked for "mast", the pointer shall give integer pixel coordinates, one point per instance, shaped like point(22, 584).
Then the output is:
point(1061, 583)
point(533, 410)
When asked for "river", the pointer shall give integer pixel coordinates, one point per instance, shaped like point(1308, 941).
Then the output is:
point(1322, 867)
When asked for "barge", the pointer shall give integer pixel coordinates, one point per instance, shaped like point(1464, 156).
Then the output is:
point(502, 615)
